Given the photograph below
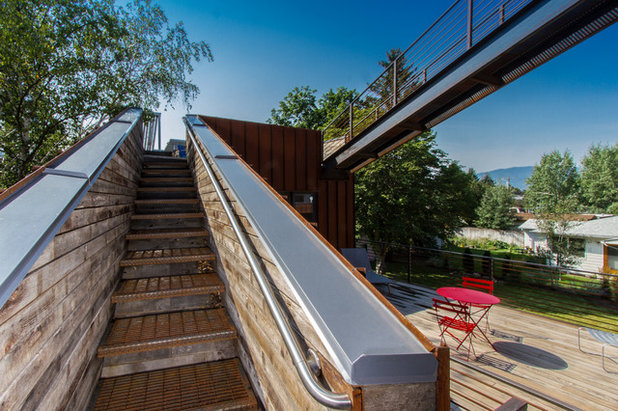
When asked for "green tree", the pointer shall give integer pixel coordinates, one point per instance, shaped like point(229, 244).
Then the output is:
point(493, 212)
point(66, 66)
point(553, 193)
point(554, 185)
point(411, 195)
point(599, 179)
point(302, 108)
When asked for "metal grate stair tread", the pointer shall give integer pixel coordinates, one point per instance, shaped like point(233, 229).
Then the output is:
point(167, 287)
point(166, 216)
point(170, 172)
point(159, 331)
point(167, 256)
point(167, 233)
point(169, 201)
point(165, 189)
point(165, 164)
point(167, 180)
point(209, 386)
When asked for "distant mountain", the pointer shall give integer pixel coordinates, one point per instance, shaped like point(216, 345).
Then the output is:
point(517, 175)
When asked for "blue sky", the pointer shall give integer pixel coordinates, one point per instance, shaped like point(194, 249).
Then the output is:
point(264, 49)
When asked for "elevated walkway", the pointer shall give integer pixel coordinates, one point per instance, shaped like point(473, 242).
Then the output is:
point(473, 50)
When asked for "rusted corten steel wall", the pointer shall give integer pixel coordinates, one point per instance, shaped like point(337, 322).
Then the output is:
point(289, 159)
point(52, 324)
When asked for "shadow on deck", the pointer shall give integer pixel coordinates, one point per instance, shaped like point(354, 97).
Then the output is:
point(535, 358)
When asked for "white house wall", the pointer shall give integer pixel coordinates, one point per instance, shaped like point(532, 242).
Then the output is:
point(593, 261)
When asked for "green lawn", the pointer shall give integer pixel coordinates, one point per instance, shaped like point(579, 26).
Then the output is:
point(588, 311)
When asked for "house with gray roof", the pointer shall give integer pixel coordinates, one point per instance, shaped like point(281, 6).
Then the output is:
point(596, 241)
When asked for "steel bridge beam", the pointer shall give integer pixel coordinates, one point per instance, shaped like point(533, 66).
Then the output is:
point(539, 32)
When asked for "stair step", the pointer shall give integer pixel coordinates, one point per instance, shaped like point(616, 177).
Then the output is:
point(165, 189)
point(168, 330)
point(158, 172)
point(167, 180)
point(167, 256)
point(155, 201)
point(209, 386)
point(164, 216)
point(167, 233)
point(166, 164)
point(167, 286)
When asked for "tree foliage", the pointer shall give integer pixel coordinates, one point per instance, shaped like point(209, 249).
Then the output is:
point(302, 108)
point(599, 179)
point(411, 195)
point(553, 192)
point(493, 211)
point(553, 186)
point(66, 66)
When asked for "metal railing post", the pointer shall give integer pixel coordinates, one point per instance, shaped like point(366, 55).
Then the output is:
point(469, 23)
point(351, 120)
point(501, 13)
point(395, 82)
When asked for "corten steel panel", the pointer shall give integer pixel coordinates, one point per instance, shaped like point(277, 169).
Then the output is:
point(342, 207)
point(289, 144)
point(301, 160)
point(313, 159)
point(266, 165)
point(252, 155)
point(277, 157)
point(238, 138)
point(289, 160)
point(223, 128)
point(332, 211)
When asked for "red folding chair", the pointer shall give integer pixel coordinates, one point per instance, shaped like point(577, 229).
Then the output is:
point(480, 285)
point(452, 316)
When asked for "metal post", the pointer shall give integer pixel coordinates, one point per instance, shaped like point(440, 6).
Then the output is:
point(351, 120)
point(395, 82)
point(469, 26)
point(501, 12)
point(425, 76)
point(159, 131)
point(491, 269)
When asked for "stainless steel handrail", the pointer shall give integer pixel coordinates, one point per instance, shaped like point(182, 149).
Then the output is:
point(323, 396)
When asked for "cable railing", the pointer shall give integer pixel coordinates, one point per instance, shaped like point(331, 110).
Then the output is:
point(323, 396)
point(464, 24)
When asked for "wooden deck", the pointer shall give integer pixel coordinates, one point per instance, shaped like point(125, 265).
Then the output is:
point(536, 359)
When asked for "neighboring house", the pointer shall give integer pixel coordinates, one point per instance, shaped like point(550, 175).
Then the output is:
point(595, 239)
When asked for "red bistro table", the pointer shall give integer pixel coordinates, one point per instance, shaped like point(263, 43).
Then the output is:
point(471, 298)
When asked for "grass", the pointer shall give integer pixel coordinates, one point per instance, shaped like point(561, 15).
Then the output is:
point(586, 311)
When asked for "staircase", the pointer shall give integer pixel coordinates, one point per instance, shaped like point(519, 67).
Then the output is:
point(171, 344)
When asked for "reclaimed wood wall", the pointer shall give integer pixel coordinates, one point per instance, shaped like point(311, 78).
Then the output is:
point(289, 159)
point(51, 326)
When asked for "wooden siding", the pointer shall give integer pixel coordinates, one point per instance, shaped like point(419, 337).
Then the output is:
point(289, 159)
point(262, 349)
point(52, 324)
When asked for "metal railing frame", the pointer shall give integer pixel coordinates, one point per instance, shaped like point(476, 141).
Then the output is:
point(323, 396)
point(444, 41)
point(14, 278)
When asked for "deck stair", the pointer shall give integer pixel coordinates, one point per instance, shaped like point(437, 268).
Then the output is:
point(171, 344)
